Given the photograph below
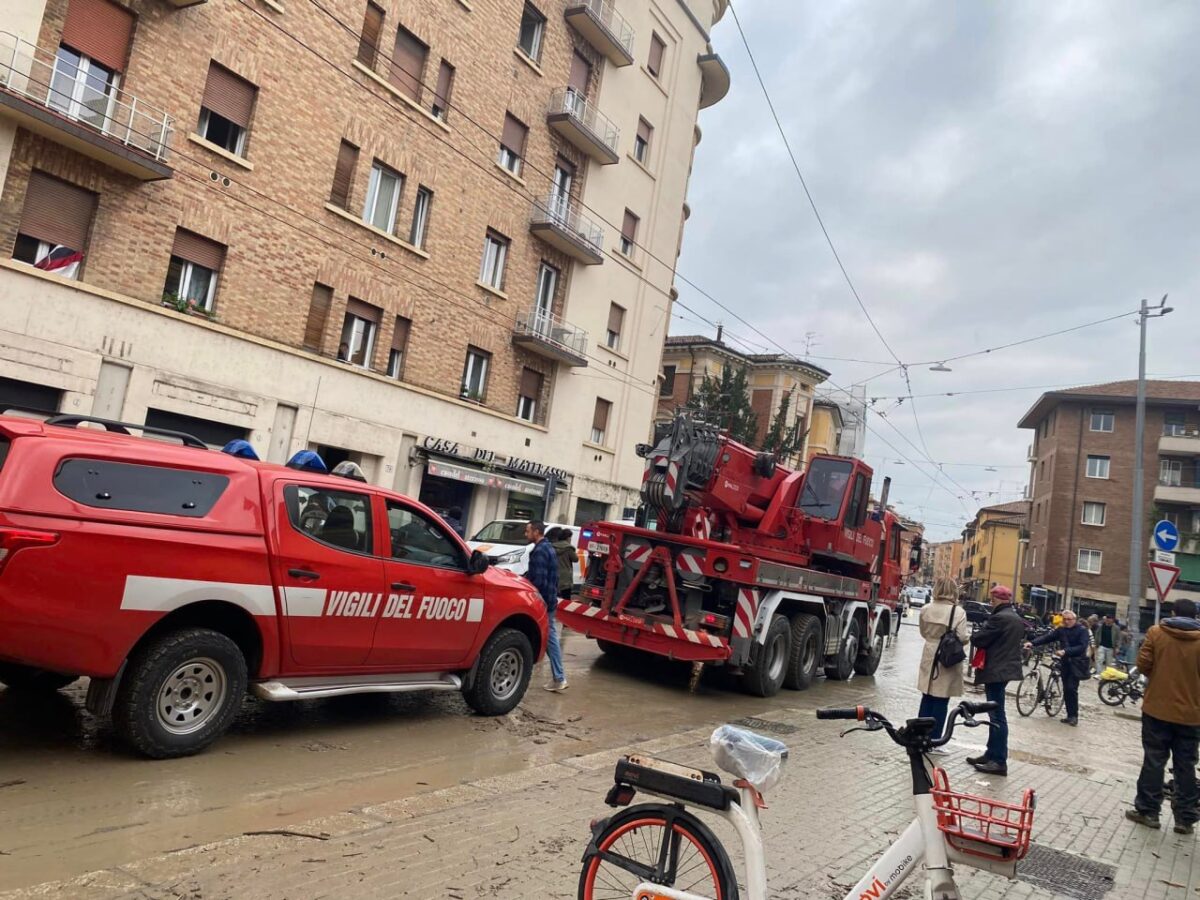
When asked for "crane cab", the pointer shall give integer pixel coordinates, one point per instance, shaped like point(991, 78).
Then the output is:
point(834, 498)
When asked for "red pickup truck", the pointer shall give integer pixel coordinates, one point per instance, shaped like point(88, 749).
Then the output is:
point(178, 577)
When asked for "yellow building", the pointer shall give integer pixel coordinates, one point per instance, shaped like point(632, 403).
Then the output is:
point(825, 430)
point(991, 544)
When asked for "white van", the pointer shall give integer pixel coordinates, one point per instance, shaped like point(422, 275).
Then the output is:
point(503, 542)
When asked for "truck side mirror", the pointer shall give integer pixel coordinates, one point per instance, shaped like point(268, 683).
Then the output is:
point(478, 563)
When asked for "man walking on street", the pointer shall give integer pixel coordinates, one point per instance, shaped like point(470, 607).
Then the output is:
point(1170, 656)
point(1108, 639)
point(543, 573)
point(1075, 640)
point(1000, 640)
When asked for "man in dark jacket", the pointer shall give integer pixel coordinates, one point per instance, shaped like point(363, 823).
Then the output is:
point(1000, 639)
point(560, 540)
point(543, 573)
point(1075, 639)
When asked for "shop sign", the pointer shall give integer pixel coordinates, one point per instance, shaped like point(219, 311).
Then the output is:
point(471, 475)
point(492, 458)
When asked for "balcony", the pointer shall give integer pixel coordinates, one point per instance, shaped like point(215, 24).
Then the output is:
point(572, 116)
point(604, 28)
point(1187, 491)
point(56, 100)
point(714, 79)
point(551, 337)
point(1030, 454)
point(1180, 442)
point(560, 224)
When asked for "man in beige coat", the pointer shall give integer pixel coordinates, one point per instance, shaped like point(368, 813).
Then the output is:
point(939, 683)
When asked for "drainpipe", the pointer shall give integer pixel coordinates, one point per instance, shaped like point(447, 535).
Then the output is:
point(1071, 530)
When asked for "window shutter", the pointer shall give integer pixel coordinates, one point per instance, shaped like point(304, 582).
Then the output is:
point(444, 83)
point(581, 73)
point(513, 136)
point(644, 130)
point(57, 212)
point(600, 417)
point(343, 175)
point(229, 95)
point(356, 307)
point(400, 334)
point(318, 314)
point(531, 383)
point(408, 63)
point(368, 41)
point(101, 30)
point(199, 250)
point(629, 226)
point(657, 47)
point(616, 317)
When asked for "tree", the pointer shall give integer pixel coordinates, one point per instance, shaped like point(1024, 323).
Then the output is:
point(784, 440)
point(725, 402)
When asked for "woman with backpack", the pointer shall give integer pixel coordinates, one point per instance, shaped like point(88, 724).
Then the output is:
point(945, 629)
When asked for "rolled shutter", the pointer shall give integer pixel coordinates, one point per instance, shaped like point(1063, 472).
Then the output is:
point(444, 83)
point(408, 63)
point(600, 417)
point(400, 334)
point(57, 212)
point(368, 41)
point(643, 130)
point(343, 175)
point(318, 315)
point(629, 226)
point(100, 30)
point(616, 317)
point(657, 47)
point(581, 72)
point(229, 95)
point(531, 383)
point(199, 250)
point(513, 136)
point(356, 307)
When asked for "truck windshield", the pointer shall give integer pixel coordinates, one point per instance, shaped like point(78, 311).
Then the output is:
point(501, 532)
point(825, 488)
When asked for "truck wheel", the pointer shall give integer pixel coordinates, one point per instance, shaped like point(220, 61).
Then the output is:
point(843, 666)
point(807, 651)
point(869, 662)
point(27, 678)
point(505, 664)
point(180, 693)
point(769, 660)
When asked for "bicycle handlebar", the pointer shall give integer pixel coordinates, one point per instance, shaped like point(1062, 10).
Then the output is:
point(975, 709)
point(858, 713)
point(966, 710)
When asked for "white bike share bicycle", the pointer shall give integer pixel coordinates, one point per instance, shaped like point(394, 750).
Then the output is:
point(662, 851)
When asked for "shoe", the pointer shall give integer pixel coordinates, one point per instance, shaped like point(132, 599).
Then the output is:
point(991, 767)
point(1070, 721)
point(557, 686)
point(977, 760)
point(1142, 818)
point(939, 751)
point(1185, 828)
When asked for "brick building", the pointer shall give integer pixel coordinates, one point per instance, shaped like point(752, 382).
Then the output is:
point(945, 559)
point(435, 237)
point(1081, 488)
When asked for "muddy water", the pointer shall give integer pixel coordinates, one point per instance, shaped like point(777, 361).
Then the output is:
point(73, 800)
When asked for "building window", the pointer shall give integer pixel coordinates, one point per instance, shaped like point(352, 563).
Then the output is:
point(475, 374)
point(1170, 472)
point(359, 330)
point(1093, 513)
point(318, 315)
point(666, 387)
point(1089, 561)
point(343, 175)
point(600, 420)
point(82, 88)
point(192, 272)
point(383, 197)
point(495, 252)
point(1033, 556)
point(629, 230)
point(528, 395)
point(1175, 424)
point(95, 48)
point(420, 220)
point(441, 97)
point(368, 41)
point(226, 109)
point(512, 144)
point(395, 366)
point(641, 143)
point(546, 286)
point(654, 61)
point(408, 63)
point(533, 29)
point(1102, 420)
point(1097, 466)
point(55, 223)
point(616, 320)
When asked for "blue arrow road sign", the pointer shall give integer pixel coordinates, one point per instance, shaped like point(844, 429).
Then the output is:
point(1166, 536)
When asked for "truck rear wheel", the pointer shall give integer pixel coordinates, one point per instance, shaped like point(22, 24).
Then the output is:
point(763, 677)
point(505, 664)
point(806, 654)
point(180, 692)
point(869, 662)
point(27, 678)
point(843, 664)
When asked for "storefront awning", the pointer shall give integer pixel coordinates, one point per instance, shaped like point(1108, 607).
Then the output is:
point(474, 475)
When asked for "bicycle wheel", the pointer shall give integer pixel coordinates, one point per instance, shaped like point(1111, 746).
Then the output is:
point(1112, 693)
point(636, 841)
point(1053, 697)
point(1029, 693)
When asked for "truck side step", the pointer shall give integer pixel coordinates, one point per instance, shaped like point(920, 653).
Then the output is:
point(314, 687)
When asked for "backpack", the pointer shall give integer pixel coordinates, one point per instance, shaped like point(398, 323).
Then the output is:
point(950, 650)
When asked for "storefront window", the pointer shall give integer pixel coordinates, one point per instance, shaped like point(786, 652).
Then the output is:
point(590, 511)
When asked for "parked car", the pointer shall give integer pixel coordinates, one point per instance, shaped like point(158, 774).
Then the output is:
point(917, 595)
point(504, 543)
point(977, 612)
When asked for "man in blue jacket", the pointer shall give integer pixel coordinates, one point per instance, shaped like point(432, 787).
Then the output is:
point(543, 573)
point(1075, 639)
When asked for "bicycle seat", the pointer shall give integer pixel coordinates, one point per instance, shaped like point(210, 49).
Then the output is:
point(748, 756)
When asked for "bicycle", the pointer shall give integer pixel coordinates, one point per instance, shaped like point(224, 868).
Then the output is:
point(1034, 691)
point(1117, 686)
point(663, 851)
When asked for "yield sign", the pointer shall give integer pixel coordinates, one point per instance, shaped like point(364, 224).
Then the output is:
point(1164, 578)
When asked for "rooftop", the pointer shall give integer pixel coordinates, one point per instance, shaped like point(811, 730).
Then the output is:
point(764, 360)
point(1158, 393)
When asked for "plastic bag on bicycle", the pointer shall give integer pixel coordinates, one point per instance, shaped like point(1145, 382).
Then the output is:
point(744, 754)
point(1113, 674)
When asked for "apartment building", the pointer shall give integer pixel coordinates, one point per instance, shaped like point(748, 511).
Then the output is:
point(825, 430)
point(992, 543)
point(435, 237)
point(944, 559)
point(1081, 485)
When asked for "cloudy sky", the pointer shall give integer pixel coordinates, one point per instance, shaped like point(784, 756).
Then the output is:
point(988, 172)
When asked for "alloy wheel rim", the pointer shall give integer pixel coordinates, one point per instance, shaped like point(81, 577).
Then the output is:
point(191, 696)
point(506, 674)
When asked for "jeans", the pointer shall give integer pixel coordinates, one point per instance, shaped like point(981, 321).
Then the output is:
point(935, 708)
point(1070, 691)
point(554, 652)
point(1105, 656)
point(1160, 739)
point(997, 745)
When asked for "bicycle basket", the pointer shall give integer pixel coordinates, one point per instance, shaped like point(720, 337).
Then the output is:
point(981, 826)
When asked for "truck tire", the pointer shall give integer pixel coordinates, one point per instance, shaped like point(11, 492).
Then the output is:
point(617, 651)
point(807, 651)
point(505, 664)
point(763, 677)
point(180, 692)
point(847, 655)
point(867, 663)
point(31, 680)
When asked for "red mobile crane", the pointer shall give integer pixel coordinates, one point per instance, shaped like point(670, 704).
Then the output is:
point(748, 564)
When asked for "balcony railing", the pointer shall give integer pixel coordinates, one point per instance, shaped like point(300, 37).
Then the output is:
point(1179, 440)
point(559, 223)
point(581, 123)
point(56, 98)
point(604, 28)
point(548, 335)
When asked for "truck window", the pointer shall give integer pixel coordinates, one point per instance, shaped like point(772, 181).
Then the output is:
point(502, 532)
point(825, 488)
point(151, 489)
point(416, 539)
point(341, 519)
